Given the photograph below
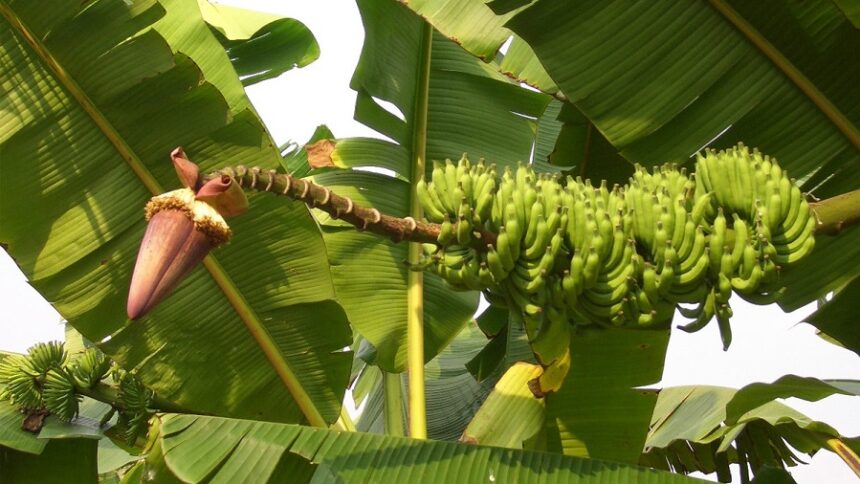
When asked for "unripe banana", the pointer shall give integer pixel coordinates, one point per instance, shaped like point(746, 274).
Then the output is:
point(506, 254)
point(542, 238)
point(741, 234)
point(441, 188)
point(513, 224)
point(535, 214)
point(484, 205)
point(494, 264)
point(433, 212)
point(451, 183)
point(447, 234)
point(700, 208)
point(464, 230)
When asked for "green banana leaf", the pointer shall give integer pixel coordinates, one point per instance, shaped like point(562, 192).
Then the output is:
point(520, 63)
point(188, 34)
point(12, 436)
point(706, 428)
point(601, 411)
point(82, 439)
point(452, 393)
point(63, 460)
point(493, 322)
point(470, 109)
point(194, 449)
point(511, 414)
point(572, 144)
point(566, 139)
point(837, 318)
point(94, 98)
point(260, 46)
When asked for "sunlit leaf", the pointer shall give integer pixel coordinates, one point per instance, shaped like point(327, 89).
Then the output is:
point(98, 95)
point(260, 45)
point(203, 447)
point(715, 426)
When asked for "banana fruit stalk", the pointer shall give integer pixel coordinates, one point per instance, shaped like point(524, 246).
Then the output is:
point(571, 253)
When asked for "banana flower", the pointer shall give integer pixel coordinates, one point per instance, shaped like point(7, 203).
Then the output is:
point(183, 226)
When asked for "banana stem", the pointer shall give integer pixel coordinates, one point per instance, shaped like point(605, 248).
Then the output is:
point(363, 218)
point(845, 453)
point(344, 422)
point(109, 394)
point(393, 407)
point(415, 279)
point(834, 214)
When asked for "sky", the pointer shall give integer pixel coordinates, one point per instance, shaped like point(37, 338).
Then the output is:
point(767, 343)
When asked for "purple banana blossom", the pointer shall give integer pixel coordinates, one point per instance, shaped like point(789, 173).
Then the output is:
point(184, 225)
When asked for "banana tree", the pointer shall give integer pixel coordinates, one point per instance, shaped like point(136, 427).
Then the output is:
point(258, 331)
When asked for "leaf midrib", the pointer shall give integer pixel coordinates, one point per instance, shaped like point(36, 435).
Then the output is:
point(240, 305)
point(784, 65)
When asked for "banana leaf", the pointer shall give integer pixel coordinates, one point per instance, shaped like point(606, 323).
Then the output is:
point(260, 46)
point(707, 428)
point(12, 436)
point(511, 414)
point(837, 318)
point(63, 460)
point(194, 449)
point(94, 98)
point(566, 140)
point(601, 411)
point(79, 446)
point(452, 393)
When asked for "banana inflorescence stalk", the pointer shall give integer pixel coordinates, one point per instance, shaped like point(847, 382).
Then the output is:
point(563, 252)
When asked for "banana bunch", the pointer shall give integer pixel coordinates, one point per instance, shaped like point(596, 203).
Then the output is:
point(758, 221)
point(47, 379)
point(532, 222)
point(767, 211)
point(459, 196)
point(23, 377)
point(462, 267)
point(58, 392)
point(136, 400)
point(669, 265)
point(669, 223)
point(596, 280)
point(568, 252)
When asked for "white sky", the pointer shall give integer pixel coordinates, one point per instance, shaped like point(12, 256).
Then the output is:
point(767, 343)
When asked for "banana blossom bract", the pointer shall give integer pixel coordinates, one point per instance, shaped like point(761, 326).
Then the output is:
point(184, 225)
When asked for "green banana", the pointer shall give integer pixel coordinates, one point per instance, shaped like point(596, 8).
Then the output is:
point(433, 212)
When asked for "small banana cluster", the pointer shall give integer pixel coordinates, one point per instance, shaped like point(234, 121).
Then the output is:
point(570, 252)
point(460, 194)
point(47, 379)
point(136, 400)
point(34, 381)
point(759, 222)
